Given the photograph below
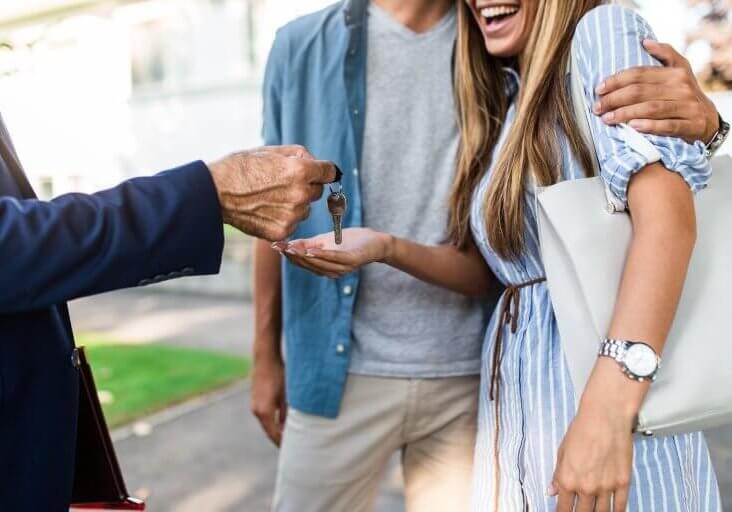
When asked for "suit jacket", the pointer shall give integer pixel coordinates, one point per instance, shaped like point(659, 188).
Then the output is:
point(143, 231)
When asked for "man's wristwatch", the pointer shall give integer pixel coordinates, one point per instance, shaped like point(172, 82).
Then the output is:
point(637, 360)
point(718, 138)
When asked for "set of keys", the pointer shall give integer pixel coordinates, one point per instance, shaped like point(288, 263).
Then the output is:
point(337, 206)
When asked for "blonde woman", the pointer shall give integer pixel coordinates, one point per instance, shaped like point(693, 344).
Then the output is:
point(540, 447)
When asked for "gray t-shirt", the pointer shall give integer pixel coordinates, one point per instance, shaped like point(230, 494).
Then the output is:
point(403, 327)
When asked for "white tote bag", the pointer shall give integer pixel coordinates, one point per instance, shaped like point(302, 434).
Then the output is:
point(584, 241)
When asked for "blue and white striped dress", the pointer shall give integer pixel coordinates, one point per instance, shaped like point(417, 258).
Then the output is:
point(537, 400)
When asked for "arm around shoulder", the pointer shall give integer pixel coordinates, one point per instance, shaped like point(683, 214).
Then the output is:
point(609, 39)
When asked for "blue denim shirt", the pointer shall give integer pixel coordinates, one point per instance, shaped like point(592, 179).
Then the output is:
point(314, 95)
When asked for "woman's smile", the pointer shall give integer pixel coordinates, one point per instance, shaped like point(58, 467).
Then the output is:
point(497, 19)
point(503, 23)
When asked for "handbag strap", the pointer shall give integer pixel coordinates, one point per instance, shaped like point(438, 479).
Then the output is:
point(9, 157)
point(582, 116)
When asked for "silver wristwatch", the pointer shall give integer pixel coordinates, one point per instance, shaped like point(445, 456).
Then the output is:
point(637, 360)
point(718, 138)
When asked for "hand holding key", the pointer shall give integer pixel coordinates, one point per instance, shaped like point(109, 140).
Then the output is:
point(266, 192)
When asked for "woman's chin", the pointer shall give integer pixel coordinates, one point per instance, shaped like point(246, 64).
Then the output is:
point(502, 48)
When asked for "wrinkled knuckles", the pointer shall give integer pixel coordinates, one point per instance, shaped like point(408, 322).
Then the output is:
point(686, 89)
point(588, 489)
point(298, 148)
point(294, 216)
point(607, 487)
point(655, 108)
point(568, 483)
point(300, 196)
point(680, 74)
point(622, 482)
point(280, 232)
point(294, 169)
point(635, 93)
point(699, 126)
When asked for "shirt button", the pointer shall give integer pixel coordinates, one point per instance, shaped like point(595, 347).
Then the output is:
point(347, 290)
point(352, 52)
point(340, 348)
point(355, 111)
point(355, 172)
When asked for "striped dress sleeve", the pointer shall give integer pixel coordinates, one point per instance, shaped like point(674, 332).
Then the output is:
point(609, 39)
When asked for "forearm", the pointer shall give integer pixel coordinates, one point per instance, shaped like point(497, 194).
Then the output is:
point(267, 302)
point(462, 271)
point(664, 229)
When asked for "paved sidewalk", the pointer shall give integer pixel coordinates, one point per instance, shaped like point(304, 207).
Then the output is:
point(211, 459)
point(205, 456)
point(211, 456)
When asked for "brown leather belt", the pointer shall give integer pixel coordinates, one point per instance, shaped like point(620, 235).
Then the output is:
point(509, 312)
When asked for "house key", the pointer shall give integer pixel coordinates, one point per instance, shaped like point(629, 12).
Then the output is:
point(337, 205)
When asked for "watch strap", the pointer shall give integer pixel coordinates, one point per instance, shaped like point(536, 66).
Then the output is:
point(718, 139)
point(614, 349)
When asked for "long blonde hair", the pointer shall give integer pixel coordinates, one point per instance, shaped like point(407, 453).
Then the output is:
point(543, 110)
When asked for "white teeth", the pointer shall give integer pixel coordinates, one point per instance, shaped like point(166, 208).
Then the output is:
point(499, 10)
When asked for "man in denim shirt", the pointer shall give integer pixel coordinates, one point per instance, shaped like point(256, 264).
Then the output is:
point(377, 362)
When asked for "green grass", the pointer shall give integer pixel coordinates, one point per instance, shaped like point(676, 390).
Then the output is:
point(146, 378)
point(230, 232)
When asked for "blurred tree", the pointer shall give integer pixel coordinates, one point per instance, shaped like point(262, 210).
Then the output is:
point(715, 30)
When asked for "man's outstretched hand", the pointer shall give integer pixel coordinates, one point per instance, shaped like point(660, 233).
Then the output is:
point(659, 100)
point(266, 192)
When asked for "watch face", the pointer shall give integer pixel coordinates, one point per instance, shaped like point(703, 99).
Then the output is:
point(641, 360)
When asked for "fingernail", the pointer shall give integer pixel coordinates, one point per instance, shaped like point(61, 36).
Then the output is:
point(551, 490)
point(601, 88)
point(309, 254)
point(636, 124)
point(648, 42)
point(290, 251)
point(608, 117)
point(597, 107)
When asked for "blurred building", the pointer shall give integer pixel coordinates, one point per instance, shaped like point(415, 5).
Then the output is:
point(713, 35)
point(95, 91)
point(98, 90)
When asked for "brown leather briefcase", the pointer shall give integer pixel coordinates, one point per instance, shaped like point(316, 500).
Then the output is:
point(98, 480)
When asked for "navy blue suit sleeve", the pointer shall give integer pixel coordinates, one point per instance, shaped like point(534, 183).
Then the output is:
point(143, 231)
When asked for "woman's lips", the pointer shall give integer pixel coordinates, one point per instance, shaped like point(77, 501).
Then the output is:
point(497, 26)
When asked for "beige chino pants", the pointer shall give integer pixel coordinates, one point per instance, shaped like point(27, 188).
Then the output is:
point(336, 465)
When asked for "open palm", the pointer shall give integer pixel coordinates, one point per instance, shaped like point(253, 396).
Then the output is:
point(323, 256)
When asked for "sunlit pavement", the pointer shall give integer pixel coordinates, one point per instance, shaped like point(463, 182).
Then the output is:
point(210, 455)
point(211, 459)
point(140, 316)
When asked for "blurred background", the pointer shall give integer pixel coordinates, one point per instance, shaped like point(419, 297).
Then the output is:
point(96, 91)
